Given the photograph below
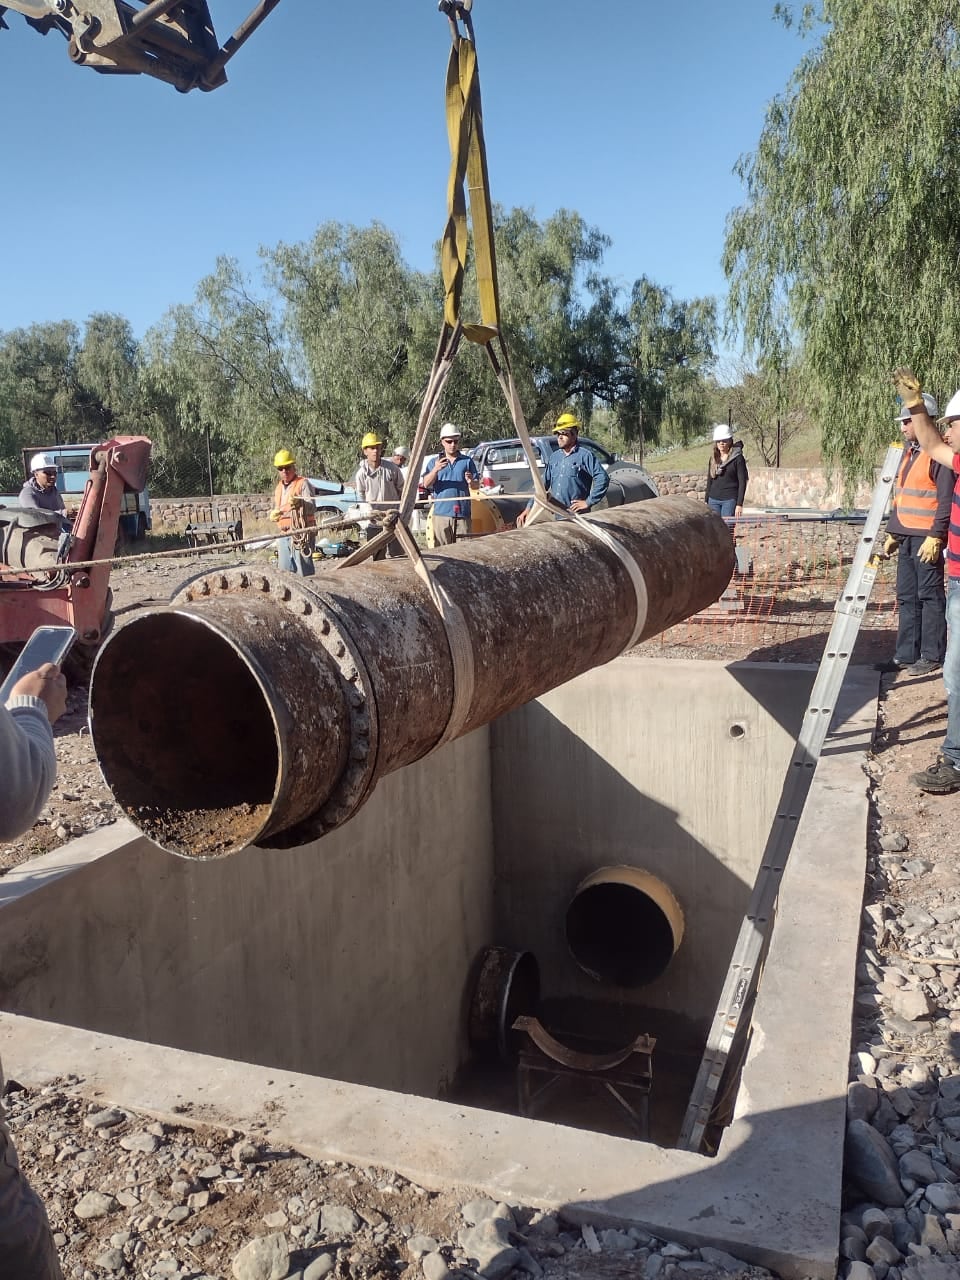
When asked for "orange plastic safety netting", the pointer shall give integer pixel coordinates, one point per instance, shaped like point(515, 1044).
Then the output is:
point(779, 606)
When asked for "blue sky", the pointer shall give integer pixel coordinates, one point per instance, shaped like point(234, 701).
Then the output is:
point(120, 192)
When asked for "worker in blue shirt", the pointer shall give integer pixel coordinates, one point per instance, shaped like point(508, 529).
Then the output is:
point(450, 478)
point(573, 475)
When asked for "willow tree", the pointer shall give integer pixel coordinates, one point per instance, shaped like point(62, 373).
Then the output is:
point(849, 240)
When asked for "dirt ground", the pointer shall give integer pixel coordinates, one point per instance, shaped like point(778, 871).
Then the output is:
point(50, 1122)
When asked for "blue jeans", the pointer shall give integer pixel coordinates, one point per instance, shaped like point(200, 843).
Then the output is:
point(951, 672)
point(723, 506)
point(294, 561)
point(921, 615)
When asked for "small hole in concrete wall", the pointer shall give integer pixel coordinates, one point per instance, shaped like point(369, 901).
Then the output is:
point(737, 731)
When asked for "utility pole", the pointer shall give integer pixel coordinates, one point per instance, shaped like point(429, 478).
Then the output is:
point(206, 432)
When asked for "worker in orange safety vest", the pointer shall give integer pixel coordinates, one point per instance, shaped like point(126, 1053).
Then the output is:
point(916, 532)
point(295, 512)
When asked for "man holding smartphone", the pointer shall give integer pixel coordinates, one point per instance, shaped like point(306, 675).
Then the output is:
point(28, 766)
point(28, 763)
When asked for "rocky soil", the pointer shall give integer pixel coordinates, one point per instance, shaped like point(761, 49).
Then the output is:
point(128, 1197)
point(903, 1142)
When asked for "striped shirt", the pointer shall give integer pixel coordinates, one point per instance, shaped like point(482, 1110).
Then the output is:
point(953, 537)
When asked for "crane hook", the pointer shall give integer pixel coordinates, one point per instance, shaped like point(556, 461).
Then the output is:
point(458, 10)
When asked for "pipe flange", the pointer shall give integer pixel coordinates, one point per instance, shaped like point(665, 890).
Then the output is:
point(310, 608)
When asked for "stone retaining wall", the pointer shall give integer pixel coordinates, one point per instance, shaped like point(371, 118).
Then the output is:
point(775, 487)
point(171, 515)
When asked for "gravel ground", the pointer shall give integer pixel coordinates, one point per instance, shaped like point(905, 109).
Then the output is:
point(128, 1197)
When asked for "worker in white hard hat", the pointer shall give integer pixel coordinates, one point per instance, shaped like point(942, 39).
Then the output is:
point(40, 492)
point(451, 478)
point(727, 474)
point(401, 458)
point(917, 530)
point(943, 776)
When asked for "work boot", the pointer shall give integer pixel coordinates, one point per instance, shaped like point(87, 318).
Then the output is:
point(891, 665)
point(923, 667)
point(942, 777)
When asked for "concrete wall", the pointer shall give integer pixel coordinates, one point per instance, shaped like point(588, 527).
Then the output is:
point(345, 958)
point(675, 767)
point(351, 957)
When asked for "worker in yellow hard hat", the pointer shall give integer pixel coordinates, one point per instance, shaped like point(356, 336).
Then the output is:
point(573, 475)
point(379, 484)
point(295, 512)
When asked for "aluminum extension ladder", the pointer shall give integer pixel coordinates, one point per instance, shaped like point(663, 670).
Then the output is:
point(740, 982)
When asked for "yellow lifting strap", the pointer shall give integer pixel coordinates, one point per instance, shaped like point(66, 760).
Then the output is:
point(468, 160)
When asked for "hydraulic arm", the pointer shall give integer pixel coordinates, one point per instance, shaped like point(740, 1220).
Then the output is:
point(172, 40)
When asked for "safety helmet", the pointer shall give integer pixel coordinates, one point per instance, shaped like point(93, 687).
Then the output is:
point(722, 432)
point(283, 459)
point(43, 462)
point(401, 451)
point(952, 409)
point(929, 403)
point(567, 422)
point(370, 440)
point(449, 432)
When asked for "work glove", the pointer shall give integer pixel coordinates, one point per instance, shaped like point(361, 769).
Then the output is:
point(908, 388)
point(930, 549)
point(891, 545)
point(274, 515)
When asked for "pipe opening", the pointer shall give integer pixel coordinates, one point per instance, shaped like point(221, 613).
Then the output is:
point(184, 735)
point(623, 926)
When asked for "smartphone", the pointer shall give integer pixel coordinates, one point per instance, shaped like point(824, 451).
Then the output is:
point(47, 644)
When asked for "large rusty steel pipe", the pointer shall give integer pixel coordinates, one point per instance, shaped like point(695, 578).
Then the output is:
point(262, 707)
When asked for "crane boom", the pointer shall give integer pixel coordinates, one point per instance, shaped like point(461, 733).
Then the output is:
point(171, 40)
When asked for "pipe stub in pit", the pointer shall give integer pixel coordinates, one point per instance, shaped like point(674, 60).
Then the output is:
point(623, 926)
point(507, 985)
point(254, 720)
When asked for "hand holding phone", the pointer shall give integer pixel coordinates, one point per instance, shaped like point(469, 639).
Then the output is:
point(47, 683)
point(36, 672)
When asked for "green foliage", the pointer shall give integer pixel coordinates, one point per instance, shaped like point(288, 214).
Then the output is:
point(356, 320)
point(221, 367)
point(850, 234)
point(670, 348)
point(57, 387)
point(560, 321)
point(335, 336)
point(756, 400)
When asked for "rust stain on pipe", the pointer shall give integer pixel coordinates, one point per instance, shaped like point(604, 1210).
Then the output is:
point(267, 706)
